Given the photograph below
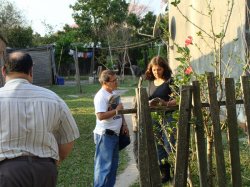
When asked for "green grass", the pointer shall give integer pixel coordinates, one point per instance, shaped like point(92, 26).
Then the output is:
point(77, 169)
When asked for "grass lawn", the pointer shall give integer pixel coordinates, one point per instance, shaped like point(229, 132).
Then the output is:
point(77, 169)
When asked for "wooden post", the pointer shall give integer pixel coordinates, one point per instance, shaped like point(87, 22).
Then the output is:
point(147, 160)
point(199, 135)
point(92, 59)
point(183, 136)
point(245, 82)
point(233, 132)
point(78, 82)
point(215, 115)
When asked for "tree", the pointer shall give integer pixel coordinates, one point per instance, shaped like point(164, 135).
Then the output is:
point(20, 37)
point(10, 17)
point(13, 26)
point(94, 16)
point(133, 20)
point(63, 45)
point(147, 23)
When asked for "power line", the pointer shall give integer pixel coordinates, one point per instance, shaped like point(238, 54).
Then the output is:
point(122, 47)
point(130, 46)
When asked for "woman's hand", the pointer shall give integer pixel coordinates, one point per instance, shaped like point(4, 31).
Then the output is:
point(171, 103)
point(155, 102)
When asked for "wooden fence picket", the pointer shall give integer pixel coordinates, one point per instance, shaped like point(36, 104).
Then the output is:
point(147, 158)
point(142, 145)
point(245, 83)
point(215, 116)
point(199, 135)
point(183, 136)
point(233, 132)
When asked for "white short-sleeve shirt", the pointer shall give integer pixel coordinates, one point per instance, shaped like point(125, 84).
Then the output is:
point(101, 103)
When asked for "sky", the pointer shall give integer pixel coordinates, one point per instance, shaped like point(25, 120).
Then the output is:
point(56, 12)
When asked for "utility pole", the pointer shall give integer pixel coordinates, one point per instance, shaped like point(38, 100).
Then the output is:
point(77, 75)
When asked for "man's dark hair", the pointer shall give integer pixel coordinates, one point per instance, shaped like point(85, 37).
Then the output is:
point(105, 76)
point(18, 62)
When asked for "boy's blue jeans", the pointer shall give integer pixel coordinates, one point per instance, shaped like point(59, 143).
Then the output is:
point(106, 160)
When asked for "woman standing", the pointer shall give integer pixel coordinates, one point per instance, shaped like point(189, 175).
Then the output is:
point(158, 74)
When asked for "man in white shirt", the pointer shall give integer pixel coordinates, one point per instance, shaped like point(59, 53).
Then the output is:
point(106, 132)
point(36, 127)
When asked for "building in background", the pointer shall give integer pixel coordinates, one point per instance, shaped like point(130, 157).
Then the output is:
point(195, 20)
point(44, 71)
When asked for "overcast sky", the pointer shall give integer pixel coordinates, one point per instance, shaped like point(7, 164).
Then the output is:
point(55, 12)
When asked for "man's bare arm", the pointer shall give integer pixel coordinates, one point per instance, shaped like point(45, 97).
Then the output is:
point(65, 149)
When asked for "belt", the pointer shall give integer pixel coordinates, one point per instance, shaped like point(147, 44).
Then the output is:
point(110, 132)
point(31, 159)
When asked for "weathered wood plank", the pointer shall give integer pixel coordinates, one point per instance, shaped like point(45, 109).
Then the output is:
point(245, 83)
point(221, 103)
point(153, 160)
point(199, 135)
point(171, 108)
point(142, 154)
point(233, 132)
point(215, 112)
point(147, 158)
point(151, 109)
point(183, 136)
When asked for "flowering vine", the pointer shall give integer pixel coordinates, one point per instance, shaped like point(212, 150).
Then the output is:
point(184, 70)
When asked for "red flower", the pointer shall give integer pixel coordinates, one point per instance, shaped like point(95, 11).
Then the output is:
point(188, 41)
point(189, 70)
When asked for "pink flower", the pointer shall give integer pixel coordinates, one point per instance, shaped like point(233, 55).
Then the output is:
point(188, 41)
point(188, 70)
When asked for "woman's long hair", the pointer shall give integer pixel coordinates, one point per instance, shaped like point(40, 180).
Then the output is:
point(159, 61)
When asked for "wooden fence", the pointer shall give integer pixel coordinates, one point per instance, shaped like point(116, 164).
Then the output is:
point(149, 172)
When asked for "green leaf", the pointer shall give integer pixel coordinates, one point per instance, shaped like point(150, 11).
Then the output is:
point(186, 49)
point(175, 3)
point(180, 50)
point(180, 59)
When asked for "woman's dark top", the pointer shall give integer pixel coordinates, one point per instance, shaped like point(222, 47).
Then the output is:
point(162, 91)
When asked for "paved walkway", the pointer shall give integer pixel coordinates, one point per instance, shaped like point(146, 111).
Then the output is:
point(130, 174)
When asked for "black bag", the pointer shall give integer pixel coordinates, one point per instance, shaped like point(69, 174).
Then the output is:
point(124, 141)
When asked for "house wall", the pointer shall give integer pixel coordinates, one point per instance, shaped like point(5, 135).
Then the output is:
point(42, 69)
point(202, 48)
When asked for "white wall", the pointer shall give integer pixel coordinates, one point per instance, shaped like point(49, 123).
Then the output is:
point(233, 51)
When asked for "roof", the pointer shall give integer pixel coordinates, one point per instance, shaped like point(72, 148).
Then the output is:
point(40, 48)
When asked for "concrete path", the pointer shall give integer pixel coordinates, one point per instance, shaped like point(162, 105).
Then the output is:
point(130, 174)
